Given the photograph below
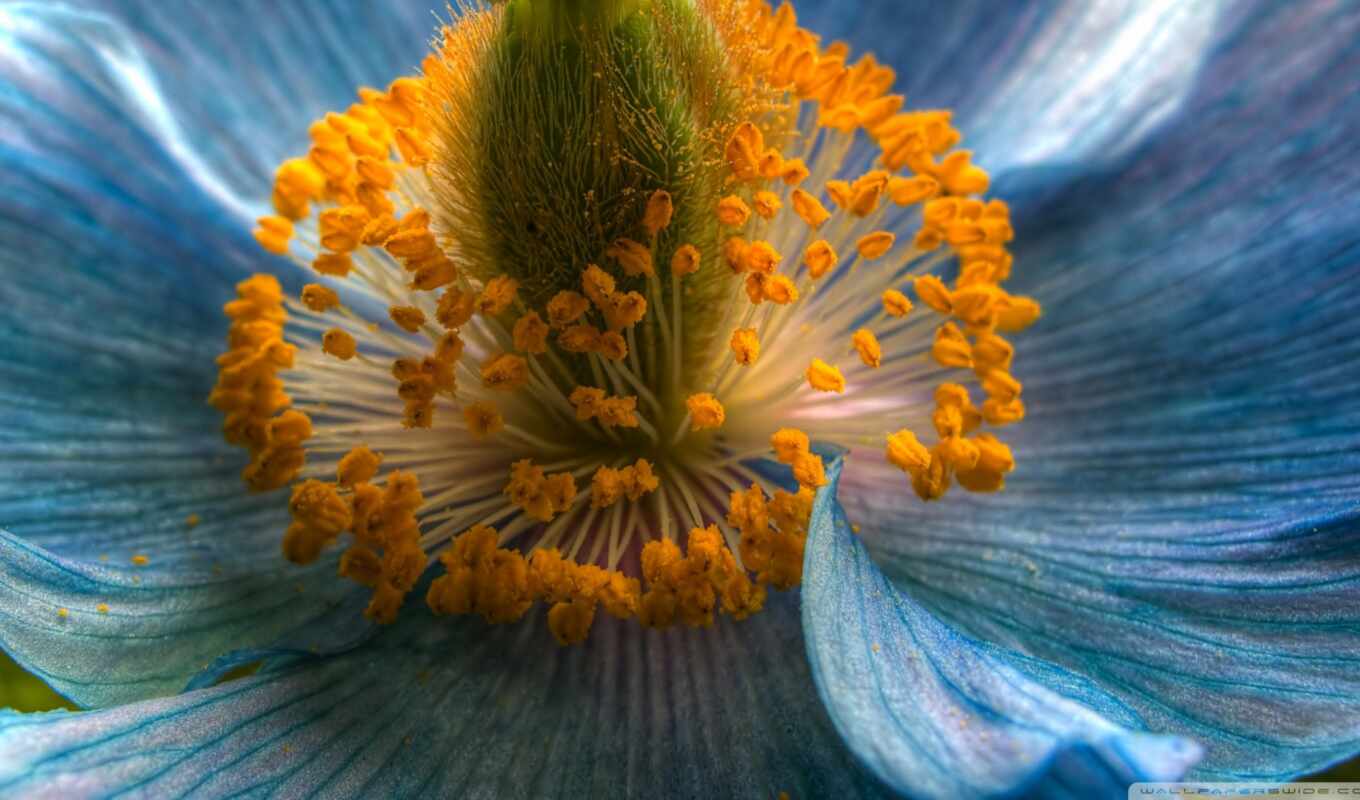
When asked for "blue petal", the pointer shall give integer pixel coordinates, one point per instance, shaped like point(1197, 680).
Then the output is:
point(1182, 526)
point(161, 625)
point(1033, 82)
point(444, 708)
point(935, 713)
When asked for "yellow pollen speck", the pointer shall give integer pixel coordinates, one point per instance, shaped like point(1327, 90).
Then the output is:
point(192, 521)
point(825, 378)
point(705, 411)
point(102, 608)
point(63, 613)
point(140, 560)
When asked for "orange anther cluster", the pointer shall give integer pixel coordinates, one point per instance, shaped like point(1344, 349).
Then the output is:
point(608, 486)
point(611, 412)
point(249, 392)
point(539, 495)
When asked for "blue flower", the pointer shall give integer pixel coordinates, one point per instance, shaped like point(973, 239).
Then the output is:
point(1168, 585)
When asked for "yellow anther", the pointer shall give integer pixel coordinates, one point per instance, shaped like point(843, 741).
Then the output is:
point(875, 245)
point(449, 348)
point(607, 487)
point(411, 243)
point(744, 150)
point(408, 318)
point(999, 385)
point(734, 253)
point(618, 412)
point(640, 479)
point(570, 621)
point(733, 211)
point(866, 344)
point(907, 453)
point(413, 147)
point(566, 307)
point(960, 176)
point(932, 482)
point(819, 258)
point(319, 298)
point(685, 261)
point(433, 273)
point(916, 189)
point(825, 378)
point(767, 204)
point(359, 465)
point(540, 496)
point(839, 192)
point(342, 227)
point(992, 352)
point(771, 164)
point(895, 303)
point(789, 443)
point(794, 172)
point(505, 372)
point(483, 419)
point(455, 308)
point(339, 344)
point(976, 304)
point(705, 411)
point(613, 346)
point(865, 193)
point(587, 400)
point(1016, 313)
point(951, 348)
point(531, 333)
point(273, 234)
point(634, 257)
point(336, 264)
point(624, 310)
point(320, 507)
point(580, 338)
point(809, 209)
point(760, 257)
point(778, 289)
point(808, 470)
point(933, 293)
point(497, 295)
point(361, 565)
point(597, 284)
point(998, 412)
point(745, 346)
point(658, 214)
point(296, 183)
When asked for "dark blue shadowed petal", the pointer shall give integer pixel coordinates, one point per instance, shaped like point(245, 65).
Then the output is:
point(454, 708)
point(935, 713)
point(1182, 527)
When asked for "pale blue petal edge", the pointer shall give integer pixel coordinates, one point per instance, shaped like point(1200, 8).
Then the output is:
point(456, 708)
point(935, 713)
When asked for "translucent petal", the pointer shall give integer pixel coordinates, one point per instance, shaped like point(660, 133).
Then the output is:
point(444, 708)
point(935, 713)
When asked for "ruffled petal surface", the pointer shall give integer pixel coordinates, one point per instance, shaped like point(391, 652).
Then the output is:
point(935, 713)
point(122, 238)
point(455, 708)
point(1182, 527)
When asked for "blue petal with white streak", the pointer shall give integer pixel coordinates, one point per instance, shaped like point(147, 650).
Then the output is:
point(455, 708)
point(1182, 528)
point(938, 714)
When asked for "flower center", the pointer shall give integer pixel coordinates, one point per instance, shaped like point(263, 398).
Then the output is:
point(579, 295)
